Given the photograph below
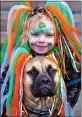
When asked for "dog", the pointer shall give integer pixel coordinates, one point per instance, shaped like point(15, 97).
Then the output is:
point(40, 81)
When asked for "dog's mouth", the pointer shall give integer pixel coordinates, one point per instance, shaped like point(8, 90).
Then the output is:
point(44, 91)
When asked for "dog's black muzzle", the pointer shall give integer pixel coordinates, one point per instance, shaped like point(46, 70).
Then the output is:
point(43, 86)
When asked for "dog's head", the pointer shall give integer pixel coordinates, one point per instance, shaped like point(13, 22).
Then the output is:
point(40, 80)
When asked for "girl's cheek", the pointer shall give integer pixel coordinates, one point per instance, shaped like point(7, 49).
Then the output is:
point(51, 44)
point(50, 40)
point(32, 40)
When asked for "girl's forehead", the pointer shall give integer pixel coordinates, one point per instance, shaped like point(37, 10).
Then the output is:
point(36, 20)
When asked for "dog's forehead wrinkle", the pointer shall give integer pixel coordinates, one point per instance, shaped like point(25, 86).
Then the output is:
point(40, 62)
point(45, 61)
point(34, 68)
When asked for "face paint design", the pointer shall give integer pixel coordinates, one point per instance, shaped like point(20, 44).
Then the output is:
point(49, 44)
point(41, 35)
point(42, 25)
point(41, 29)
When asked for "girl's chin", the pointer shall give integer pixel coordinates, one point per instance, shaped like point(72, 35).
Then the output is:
point(41, 50)
point(44, 52)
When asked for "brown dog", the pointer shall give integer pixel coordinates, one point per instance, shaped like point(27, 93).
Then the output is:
point(40, 80)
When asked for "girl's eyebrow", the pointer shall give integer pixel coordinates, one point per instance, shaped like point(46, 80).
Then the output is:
point(44, 30)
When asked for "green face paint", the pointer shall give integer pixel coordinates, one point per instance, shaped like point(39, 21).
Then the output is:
point(41, 30)
point(49, 44)
point(42, 25)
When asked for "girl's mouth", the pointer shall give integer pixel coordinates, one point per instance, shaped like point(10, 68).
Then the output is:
point(40, 46)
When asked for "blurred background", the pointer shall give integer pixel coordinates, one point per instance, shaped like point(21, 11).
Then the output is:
point(77, 13)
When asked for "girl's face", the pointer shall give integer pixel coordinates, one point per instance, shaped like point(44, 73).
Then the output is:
point(41, 34)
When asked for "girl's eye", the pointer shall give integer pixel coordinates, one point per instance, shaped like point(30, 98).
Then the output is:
point(49, 35)
point(35, 34)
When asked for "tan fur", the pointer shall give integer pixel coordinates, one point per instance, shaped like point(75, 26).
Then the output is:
point(40, 63)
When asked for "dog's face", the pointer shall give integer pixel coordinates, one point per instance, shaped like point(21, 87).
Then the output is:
point(40, 81)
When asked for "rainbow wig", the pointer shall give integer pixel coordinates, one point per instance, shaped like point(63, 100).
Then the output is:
point(16, 54)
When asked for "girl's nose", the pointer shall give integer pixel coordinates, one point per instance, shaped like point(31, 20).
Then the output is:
point(42, 39)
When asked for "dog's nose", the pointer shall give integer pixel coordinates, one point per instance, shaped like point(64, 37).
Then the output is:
point(45, 81)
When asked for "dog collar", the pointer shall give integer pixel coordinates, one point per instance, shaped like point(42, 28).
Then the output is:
point(34, 110)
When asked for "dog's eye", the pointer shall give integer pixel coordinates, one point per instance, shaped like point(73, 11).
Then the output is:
point(51, 71)
point(33, 72)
